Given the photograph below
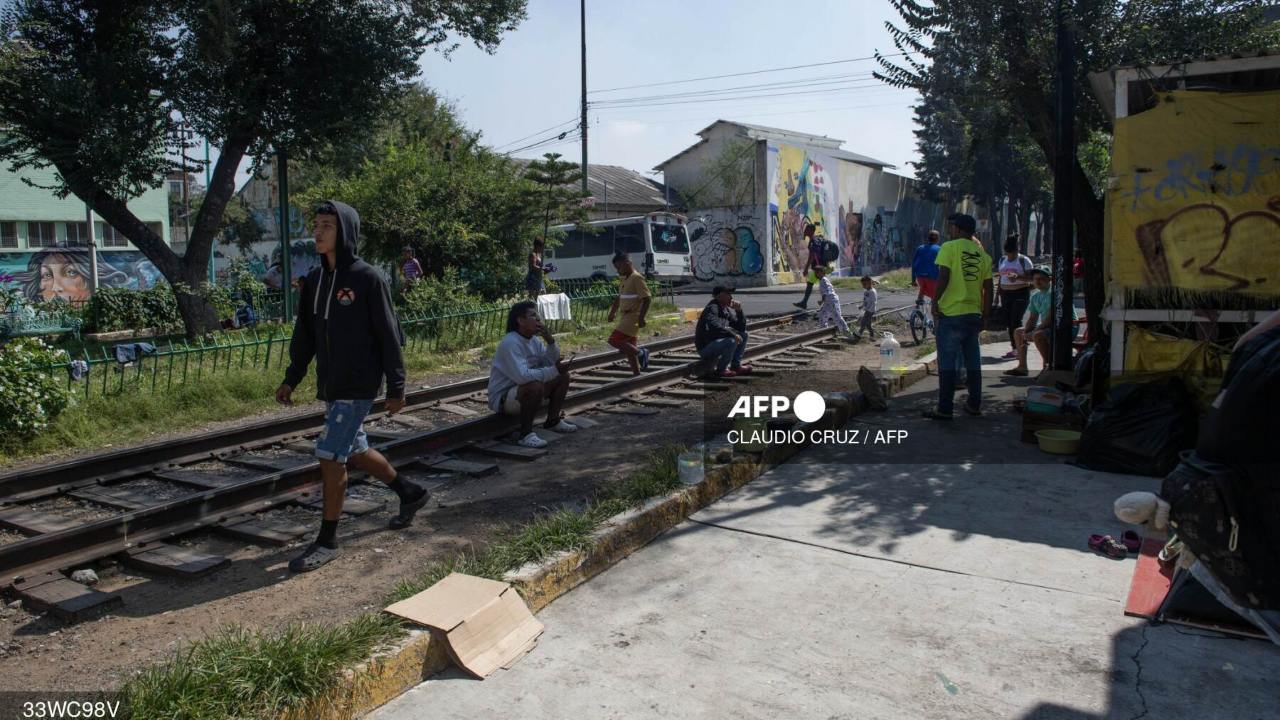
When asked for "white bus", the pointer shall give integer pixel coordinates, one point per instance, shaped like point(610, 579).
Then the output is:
point(658, 244)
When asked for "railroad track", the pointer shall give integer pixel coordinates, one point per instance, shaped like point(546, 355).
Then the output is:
point(226, 479)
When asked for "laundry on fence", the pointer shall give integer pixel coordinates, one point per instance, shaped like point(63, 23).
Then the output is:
point(131, 352)
point(554, 307)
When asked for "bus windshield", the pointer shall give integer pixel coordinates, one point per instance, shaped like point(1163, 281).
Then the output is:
point(669, 238)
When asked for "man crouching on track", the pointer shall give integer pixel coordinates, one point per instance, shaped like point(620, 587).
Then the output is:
point(347, 323)
point(527, 370)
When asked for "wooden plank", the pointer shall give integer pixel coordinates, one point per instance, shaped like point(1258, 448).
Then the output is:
point(582, 422)
point(67, 600)
point(655, 401)
point(630, 410)
point(510, 451)
point(709, 386)
point(1151, 581)
point(456, 409)
point(121, 497)
point(461, 467)
point(175, 561)
point(588, 380)
point(608, 373)
point(302, 447)
point(262, 531)
point(728, 380)
point(380, 435)
point(268, 462)
point(760, 372)
point(682, 393)
point(350, 506)
point(33, 522)
point(205, 479)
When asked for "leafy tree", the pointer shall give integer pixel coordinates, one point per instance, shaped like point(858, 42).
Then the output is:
point(555, 193)
point(1006, 49)
point(90, 87)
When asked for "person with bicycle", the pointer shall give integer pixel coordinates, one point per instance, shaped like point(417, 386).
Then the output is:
point(924, 267)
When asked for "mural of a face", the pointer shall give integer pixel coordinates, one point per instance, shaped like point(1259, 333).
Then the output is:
point(61, 277)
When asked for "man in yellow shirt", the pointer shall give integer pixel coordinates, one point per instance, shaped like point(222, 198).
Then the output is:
point(631, 306)
point(960, 311)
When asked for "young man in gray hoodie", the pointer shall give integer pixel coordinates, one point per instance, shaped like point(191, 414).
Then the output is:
point(347, 323)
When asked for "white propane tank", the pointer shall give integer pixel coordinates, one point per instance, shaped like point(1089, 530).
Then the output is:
point(890, 356)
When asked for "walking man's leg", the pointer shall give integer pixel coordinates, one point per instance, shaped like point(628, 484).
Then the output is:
point(808, 290)
point(413, 497)
point(343, 424)
point(626, 345)
point(948, 345)
point(973, 362)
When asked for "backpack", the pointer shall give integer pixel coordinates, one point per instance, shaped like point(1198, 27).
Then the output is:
point(826, 250)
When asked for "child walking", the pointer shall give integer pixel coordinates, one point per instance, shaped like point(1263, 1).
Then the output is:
point(829, 304)
point(869, 299)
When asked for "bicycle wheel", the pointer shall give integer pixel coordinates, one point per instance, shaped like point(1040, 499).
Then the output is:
point(919, 330)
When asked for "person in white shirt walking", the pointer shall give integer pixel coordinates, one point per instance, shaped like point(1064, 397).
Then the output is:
point(526, 371)
point(869, 300)
point(829, 302)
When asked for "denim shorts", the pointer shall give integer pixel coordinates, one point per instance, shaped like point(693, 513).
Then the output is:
point(343, 434)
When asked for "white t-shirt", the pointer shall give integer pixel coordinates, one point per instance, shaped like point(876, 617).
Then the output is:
point(1020, 265)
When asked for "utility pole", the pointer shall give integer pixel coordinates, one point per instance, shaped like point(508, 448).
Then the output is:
point(583, 7)
point(213, 277)
point(93, 249)
point(286, 270)
point(1063, 212)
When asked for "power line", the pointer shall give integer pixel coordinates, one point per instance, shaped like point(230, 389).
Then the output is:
point(746, 97)
point(534, 134)
point(785, 84)
point(750, 72)
point(555, 139)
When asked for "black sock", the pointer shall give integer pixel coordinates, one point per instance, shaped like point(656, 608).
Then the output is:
point(407, 491)
point(328, 536)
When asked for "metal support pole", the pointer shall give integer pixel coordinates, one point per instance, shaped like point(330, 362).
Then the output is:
point(282, 170)
point(1064, 166)
point(583, 8)
point(93, 249)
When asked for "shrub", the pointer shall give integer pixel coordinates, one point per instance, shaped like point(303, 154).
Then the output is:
point(30, 398)
point(112, 309)
point(438, 296)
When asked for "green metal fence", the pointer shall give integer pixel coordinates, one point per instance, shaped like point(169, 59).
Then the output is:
point(176, 363)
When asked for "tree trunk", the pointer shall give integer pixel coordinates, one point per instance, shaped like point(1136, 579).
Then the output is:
point(1089, 230)
point(186, 273)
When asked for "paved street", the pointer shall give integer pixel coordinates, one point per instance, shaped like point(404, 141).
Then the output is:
point(851, 584)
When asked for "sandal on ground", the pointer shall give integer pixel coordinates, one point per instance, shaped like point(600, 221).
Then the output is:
point(408, 509)
point(741, 370)
point(934, 413)
point(1109, 546)
point(1016, 372)
point(562, 426)
point(312, 558)
point(1131, 541)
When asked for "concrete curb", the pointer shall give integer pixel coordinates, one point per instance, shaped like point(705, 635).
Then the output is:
point(417, 657)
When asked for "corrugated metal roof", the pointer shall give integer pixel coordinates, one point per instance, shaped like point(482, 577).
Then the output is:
point(1234, 72)
point(621, 187)
point(809, 141)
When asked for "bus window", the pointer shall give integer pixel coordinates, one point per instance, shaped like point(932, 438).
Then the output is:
point(570, 246)
point(629, 238)
point(598, 244)
point(669, 239)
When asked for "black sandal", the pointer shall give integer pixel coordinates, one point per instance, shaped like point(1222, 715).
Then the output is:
point(934, 414)
point(408, 509)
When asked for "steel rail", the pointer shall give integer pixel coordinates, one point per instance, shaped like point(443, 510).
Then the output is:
point(30, 483)
point(49, 552)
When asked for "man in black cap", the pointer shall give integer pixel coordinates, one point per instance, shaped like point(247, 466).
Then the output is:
point(960, 310)
point(721, 336)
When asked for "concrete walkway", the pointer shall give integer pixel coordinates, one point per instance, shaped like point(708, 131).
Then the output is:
point(944, 578)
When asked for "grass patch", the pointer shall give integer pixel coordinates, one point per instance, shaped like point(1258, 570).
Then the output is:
point(122, 418)
point(925, 348)
point(240, 673)
point(899, 279)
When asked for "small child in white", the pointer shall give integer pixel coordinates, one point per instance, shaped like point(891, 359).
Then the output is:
point(829, 305)
point(868, 305)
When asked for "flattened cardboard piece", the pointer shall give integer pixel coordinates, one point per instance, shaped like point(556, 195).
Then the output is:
point(485, 623)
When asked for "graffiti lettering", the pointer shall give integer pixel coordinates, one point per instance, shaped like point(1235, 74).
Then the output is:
point(1203, 239)
point(724, 248)
point(1227, 172)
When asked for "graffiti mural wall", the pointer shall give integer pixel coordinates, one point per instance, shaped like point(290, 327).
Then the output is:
point(264, 260)
point(727, 247)
point(803, 189)
point(63, 273)
point(1196, 200)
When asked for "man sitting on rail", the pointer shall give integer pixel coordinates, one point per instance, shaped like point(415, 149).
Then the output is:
point(721, 336)
point(347, 323)
point(527, 370)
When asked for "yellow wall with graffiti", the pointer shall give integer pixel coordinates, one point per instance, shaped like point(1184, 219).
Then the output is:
point(1195, 199)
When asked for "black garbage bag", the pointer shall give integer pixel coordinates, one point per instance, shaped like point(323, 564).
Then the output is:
point(1141, 429)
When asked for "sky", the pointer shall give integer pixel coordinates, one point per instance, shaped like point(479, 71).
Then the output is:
point(532, 81)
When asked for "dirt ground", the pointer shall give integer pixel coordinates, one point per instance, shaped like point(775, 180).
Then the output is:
point(162, 615)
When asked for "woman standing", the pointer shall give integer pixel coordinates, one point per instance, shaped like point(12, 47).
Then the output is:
point(1015, 288)
point(533, 279)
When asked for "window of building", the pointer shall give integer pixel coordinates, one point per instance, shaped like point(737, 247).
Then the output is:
point(41, 235)
point(111, 237)
point(78, 234)
point(8, 234)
